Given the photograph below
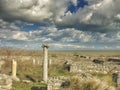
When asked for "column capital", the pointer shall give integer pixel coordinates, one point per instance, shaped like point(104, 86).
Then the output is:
point(45, 45)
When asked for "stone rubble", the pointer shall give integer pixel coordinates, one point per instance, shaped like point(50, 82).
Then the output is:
point(55, 83)
point(5, 82)
point(94, 68)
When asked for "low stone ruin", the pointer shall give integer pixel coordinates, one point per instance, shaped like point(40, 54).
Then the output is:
point(91, 67)
point(83, 76)
point(5, 82)
point(114, 60)
point(116, 78)
point(97, 61)
point(55, 83)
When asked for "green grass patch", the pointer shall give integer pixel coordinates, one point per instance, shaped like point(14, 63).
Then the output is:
point(60, 73)
point(106, 78)
point(21, 86)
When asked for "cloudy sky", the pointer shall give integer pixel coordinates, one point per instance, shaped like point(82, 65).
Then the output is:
point(64, 24)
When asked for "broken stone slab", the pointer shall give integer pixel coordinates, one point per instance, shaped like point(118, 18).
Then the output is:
point(26, 81)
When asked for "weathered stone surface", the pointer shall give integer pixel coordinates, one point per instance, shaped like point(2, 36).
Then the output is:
point(118, 79)
point(5, 82)
point(90, 67)
point(14, 68)
point(54, 83)
point(26, 81)
point(1, 63)
point(14, 71)
point(15, 78)
point(45, 62)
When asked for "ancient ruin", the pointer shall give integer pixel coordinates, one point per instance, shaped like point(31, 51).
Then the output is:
point(88, 66)
point(62, 68)
point(45, 62)
point(14, 70)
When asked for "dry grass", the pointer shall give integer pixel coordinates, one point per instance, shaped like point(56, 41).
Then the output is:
point(90, 84)
point(27, 69)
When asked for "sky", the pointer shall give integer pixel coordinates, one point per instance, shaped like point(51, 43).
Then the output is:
point(63, 24)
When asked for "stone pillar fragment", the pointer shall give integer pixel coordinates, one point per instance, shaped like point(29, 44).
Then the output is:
point(33, 61)
point(38, 62)
point(45, 62)
point(14, 70)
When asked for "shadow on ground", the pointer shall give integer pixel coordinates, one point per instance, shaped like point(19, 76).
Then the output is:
point(38, 88)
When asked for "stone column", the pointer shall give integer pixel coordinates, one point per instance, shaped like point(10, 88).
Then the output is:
point(33, 61)
point(45, 62)
point(14, 70)
point(49, 87)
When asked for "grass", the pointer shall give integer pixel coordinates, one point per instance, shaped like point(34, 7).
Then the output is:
point(57, 70)
point(26, 70)
point(89, 84)
point(28, 86)
point(105, 77)
point(21, 86)
point(60, 73)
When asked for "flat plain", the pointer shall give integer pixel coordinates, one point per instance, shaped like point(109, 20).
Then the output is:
point(30, 64)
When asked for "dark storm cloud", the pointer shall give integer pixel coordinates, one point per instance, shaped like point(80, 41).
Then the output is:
point(32, 10)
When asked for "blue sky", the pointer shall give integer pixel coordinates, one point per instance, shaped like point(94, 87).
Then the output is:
point(64, 24)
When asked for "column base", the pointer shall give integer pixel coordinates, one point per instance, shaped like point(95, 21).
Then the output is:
point(44, 82)
point(15, 78)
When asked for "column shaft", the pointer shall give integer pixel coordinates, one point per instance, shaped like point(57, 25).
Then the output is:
point(45, 64)
point(14, 68)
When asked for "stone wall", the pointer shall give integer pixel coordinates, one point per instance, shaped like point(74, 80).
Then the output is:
point(91, 67)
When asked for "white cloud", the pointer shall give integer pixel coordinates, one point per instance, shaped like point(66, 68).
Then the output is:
point(20, 36)
point(33, 10)
point(71, 35)
point(118, 16)
point(118, 47)
point(26, 9)
point(101, 13)
point(74, 2)
point(8, 25)
point(69, 38)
